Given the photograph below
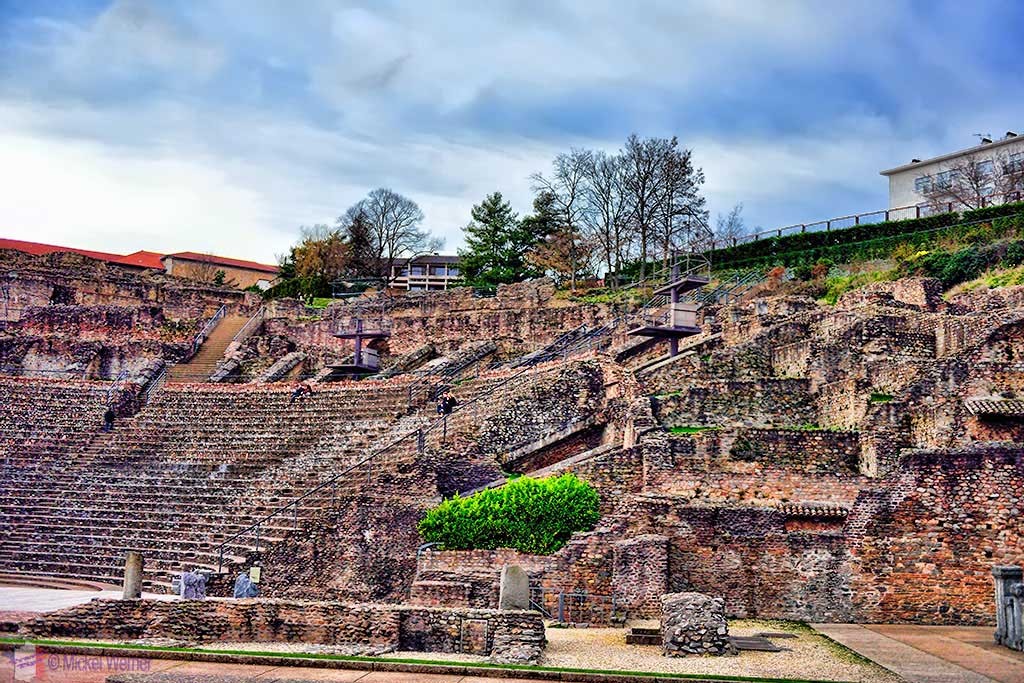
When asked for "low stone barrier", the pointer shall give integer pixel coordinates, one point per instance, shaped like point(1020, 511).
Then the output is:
point(504, 636)
point(694, 624)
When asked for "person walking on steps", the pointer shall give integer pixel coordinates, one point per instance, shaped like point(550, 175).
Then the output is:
point(108, 419)
point(300, 391)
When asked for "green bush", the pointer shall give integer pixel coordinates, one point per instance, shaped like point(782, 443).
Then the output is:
point(992, 212)
point(531, 515)
point(776, 247)
point(958, 266)
point(1014, 253)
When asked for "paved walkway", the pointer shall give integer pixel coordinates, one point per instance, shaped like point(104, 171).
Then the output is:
point(26, 599)
point(31, 666)
point(932, 654)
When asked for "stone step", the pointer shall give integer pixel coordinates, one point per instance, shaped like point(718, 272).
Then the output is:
point(641, 631)
point(754, 644)
point(632, 639)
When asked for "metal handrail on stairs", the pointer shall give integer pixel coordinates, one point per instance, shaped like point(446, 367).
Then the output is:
point(251, 324)
point(208, 328)
point(419, 435)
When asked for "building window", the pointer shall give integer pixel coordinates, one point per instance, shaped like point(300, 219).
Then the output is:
point(1015, 163)
point(985, 168)
point(945, 179)
point(923, 184)
point(402, 272)
point(453, 271)
point(418, 270)
point(437, 270)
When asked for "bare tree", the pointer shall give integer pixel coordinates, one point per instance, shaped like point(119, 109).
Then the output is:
point(730, 227)
point(682, 205)
point(644, 189)
point(974, 182)
point(393, 224)
point(566, 185)
point(607, 209)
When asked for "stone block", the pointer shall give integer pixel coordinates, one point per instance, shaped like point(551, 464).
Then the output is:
point(694, 624)
point(1009, 606)
point(514, 591)
point(132, 576)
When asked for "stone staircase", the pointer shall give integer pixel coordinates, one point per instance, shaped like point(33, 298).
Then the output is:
point(205, 361)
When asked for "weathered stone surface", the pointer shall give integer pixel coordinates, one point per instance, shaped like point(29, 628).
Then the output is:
point(504, 636)
point(514, 592)
point(1009, 606)
point(132, 589)
point(694, 624)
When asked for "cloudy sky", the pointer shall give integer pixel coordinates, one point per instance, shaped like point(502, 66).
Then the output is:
point(221, 126)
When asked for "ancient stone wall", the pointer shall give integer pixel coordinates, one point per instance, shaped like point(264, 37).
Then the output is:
point(753, 403)
point(923, 542)
point(507, 636)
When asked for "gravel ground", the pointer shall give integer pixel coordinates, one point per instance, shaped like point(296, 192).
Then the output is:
point(810, 655)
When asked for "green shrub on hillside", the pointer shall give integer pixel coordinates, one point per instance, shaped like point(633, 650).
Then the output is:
point(1014, 253)
point(801, 251)
point(952, 268)
point(531, 515)
point(776, 246)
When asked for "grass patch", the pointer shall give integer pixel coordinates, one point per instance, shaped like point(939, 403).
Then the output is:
point(320, 302)
point(878, 397)
point(386, 660)
point(690, 430)
point(836, 286)
point(1007, 277)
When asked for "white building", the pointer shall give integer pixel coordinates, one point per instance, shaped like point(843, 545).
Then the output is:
point(430, 272)
point(911, 185)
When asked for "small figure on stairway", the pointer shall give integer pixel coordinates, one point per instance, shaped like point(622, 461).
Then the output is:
point(108, 419)
point(300, 391)
point(445, 404)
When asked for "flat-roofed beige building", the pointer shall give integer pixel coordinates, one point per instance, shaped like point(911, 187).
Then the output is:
point(916, 184)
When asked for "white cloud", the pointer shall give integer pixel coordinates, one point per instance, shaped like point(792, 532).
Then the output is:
point(224, 126)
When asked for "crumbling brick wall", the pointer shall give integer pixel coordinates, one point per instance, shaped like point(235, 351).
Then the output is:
point(923, 542)
point(502, 635)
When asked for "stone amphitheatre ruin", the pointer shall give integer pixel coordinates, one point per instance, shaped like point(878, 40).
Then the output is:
point(852, 463)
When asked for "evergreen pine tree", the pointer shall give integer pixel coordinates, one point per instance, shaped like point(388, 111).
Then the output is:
point(494, 245)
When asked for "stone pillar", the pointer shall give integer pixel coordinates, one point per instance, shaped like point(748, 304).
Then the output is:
point(133, 575)
point(640, 574)
point(514, 590)
point(1009, 606)
point(694, 624)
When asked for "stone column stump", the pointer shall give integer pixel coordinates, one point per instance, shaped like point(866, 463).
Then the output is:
point(132, 576)
point(514, 589)
point(694, 624)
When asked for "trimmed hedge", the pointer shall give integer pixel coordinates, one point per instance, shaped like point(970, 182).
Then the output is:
point(850, 249)
point(778, 247)
point(534, 516)
point(774, 246)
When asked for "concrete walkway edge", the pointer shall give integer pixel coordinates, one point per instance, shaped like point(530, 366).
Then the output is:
point(905, 661)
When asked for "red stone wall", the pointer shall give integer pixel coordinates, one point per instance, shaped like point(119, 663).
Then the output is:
point(923, 545)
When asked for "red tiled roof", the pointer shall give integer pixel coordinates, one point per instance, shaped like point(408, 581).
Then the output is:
point(222, 261)
point(40, 249)
point(145, 259)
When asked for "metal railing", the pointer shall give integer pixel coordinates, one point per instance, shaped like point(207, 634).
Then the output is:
point(416, 436)
point(898, 213)
point(154, 385)
point(250, 326)
point(574, 606)
point(209, 327)
point(121, 377)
